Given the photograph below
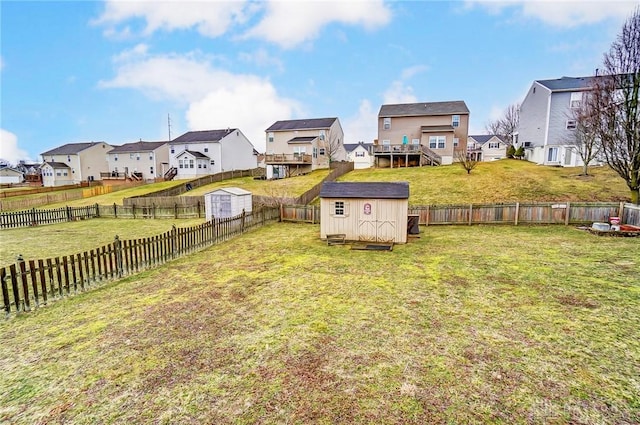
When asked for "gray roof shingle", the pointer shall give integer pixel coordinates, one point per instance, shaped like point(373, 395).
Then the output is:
point(137, 147)
point(424, 108)
point(56, 165)
point(307, 139)
point(484, 138)
point(568, 83)
point(378, 190)
point(203, 136)
point(305, 124)
point(349, 147)
point(193, 153)
point(70, 148)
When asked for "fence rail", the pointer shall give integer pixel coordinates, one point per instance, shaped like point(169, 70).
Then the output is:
point(30, 284)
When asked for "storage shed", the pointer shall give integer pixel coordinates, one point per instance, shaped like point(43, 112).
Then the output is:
point(227, 202)
point(368, 211)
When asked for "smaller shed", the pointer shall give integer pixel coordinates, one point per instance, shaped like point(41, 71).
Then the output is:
point(11, 175)
point(227, 202)
point(368, 211)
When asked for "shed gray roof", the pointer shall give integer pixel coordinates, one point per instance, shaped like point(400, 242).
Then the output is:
point(378, 190)
point(308, 139)
point(424, 108)
point(231, 190)
point(137, 147)
point(305, 124)
point(203, 136)
point(70, 148)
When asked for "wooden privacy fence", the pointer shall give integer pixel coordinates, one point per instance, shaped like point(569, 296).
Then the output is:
point(516, 213)
point(33, 283)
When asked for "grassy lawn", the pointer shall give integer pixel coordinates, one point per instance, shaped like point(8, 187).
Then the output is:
point(290, 187)
point(473, 325)
point(77, 236)
point(500, 181)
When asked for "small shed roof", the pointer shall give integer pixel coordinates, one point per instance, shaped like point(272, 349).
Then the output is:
point(230, 190)
point(377, 190)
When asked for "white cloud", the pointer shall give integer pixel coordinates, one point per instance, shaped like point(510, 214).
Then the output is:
point(413, 70)
point(361, 127)
point(210, 18)
point(214, 98)
point(567, 13)
point(9, 149)
point(289, 24)
point(399, 92)
point(262, 58)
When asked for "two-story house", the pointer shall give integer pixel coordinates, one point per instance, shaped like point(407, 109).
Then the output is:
point(486, 147)
point(547, 120)
point(297, 147)
point(198, 153)
point(138, 161)
point(415, 134)
point(359, 154)
point(74, 163)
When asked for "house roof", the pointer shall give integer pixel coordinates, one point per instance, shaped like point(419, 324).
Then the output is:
point(568, 83)
point(304, 124)
point(349, 147)
point(203, 136)
point(195, 154)
point(424, 108)
point(302, 139)
point(484, 138)
point(10, 170)
point(379, 190)
point(231, 190)
point(137, 147)
point(54, 164)
point(71, 148)
point(436, 128)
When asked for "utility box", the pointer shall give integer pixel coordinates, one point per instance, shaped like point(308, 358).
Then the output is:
point(227, 202)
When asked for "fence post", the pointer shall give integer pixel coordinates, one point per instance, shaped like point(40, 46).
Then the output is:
point(34, 221)
point(242, 221)
point(517, 213)
point(200, 215)
point(69, 218)
point(97, 210)
point(621, 213)
point(470, 213)
point(133, 210)
point(567, 212)
point(175, 211)
point(5, 291)
point(115, 210)
point(174, 241)
point(428, 213)
point(117, 246)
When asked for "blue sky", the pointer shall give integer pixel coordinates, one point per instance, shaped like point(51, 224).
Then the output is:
point(77, 71)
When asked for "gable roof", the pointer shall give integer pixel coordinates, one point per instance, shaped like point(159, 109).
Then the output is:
point(195, 154)
point(484, 138)
point(307, 139)
point(72, 148)
point(231, 190)
point(137, 147)
point(423, 108)
point(203, 136)
point(349, 147)
point(305, 124)
point(378, 190)
point(568, 83)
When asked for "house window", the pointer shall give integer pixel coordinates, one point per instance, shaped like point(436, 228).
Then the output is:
point(315, 152)
point(64, 173)
point(181, 164)
point(199, 165)
point(206, 149)
point(150, 156)
point(359, 154)
point(576, 99)
point(386, 123)
point(322, 134)
point(553, 155)
point(571, 124)
point(115, 157)
point(191, 164)
point(270, 137)
point(456, 142)
point(322, 151)
point(151, 170)
point(68, 158)
point(494, 145)
point(173, 150)
point(415, 141)
point(58, 173)
point(455, 121)
point(437, 142)
point(137, 157)
point(338, 208)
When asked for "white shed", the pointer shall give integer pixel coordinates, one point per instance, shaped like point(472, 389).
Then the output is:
point(10, 175)
point(227, 202)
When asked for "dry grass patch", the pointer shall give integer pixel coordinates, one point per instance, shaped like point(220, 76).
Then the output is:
point(469, 325)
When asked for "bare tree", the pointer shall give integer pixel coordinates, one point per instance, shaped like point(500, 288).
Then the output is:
point(584, 138)
point(507, 125)
point(466, 161)
point(615, 102)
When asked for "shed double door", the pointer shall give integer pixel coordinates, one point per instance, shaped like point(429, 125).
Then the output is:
point(221, 206)
point(374, 225)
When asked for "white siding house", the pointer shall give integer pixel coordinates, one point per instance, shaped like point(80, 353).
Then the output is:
point(84, 162)
point(486, 147)
point(197, 153)
point(360, 155)
point(10, 175)
point(546, 124)
point(139, 160)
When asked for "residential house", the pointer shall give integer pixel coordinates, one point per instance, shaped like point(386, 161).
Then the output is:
point(300, 146)
point(138, 161)
point(10, 175)
point(198, 153)
point(415, 134)
point(31, 171)
point(359, 154)
point(486, 147)
point(547, 121)
point(74, 163)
